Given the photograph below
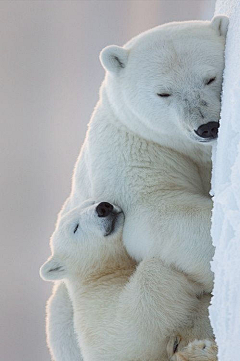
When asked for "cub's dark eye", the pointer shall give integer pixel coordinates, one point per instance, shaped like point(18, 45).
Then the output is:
point(164, 95)
point(75, 229)
point(210, 81)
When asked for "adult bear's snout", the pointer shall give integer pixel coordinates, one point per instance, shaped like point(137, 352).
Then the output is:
point(208, 130)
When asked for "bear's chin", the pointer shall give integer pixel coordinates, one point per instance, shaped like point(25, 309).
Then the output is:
point(202, 141)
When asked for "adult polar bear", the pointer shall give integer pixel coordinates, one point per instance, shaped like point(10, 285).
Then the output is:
point(148, 150)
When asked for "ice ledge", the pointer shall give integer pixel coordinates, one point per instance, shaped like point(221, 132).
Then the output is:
point(225, 309)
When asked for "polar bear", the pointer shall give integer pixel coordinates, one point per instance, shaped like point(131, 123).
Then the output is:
point(148, 150)
point(116, 305)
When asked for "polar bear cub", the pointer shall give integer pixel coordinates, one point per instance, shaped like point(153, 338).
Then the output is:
point(116, 304)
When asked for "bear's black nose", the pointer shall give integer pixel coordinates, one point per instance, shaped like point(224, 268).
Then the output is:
point(104, 209)
point(209, 130)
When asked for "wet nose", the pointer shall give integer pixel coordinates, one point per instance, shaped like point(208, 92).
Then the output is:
point(208, 130)
point(103, 209)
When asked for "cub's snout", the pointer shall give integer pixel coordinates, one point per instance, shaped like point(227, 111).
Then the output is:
point(104, 209)
point(110, 215)
point(208, 131)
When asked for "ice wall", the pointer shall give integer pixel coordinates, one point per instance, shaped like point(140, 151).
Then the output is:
point(225, 309)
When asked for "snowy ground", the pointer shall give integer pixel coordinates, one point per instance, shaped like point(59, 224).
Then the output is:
point(225, 309)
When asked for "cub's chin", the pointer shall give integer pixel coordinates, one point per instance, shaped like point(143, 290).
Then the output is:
point(114, 224)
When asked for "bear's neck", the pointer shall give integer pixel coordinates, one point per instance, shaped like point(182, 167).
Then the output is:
point(104, 270)
point(119, 116)
point(92, 291)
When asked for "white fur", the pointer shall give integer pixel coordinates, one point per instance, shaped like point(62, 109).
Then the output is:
point(120, 313)
point(199, 329)
point(60, 312)
point(141, 151)
point(203, 350)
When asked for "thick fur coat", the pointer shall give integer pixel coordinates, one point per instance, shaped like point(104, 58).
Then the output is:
point(116, 304)
point(142, 153)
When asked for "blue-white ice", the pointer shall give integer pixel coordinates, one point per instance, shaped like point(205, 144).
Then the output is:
point(225, 309)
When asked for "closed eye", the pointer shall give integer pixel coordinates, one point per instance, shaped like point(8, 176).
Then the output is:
point(75, 229)
point(210, 81)
point(164, 95)
point(176, 344)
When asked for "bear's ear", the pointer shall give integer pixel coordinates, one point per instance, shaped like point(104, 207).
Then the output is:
point(114, 58)
point(220, 24)
point(53, 269)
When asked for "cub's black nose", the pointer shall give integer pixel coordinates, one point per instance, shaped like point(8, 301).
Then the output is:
point(209, 130)
point(104, 209)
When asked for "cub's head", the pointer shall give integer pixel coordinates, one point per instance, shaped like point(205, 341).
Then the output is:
point(165, 84)
point(84, 239)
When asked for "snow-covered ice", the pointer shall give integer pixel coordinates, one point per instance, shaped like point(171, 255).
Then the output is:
point(225, 309)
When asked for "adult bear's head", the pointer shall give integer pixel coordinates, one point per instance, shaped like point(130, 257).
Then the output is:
point(165, 84)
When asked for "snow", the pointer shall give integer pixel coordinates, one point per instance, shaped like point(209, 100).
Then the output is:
point(225, 308)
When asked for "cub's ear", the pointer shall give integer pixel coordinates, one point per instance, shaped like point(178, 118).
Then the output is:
point(53, 269)
point(220, 24)
point(114, 58)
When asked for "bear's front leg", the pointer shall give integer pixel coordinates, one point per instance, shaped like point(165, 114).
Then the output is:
point(61, 337)
point(204, 350)
point(155, 302)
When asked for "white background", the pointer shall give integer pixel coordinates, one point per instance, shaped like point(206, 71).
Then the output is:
point(49, 80)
